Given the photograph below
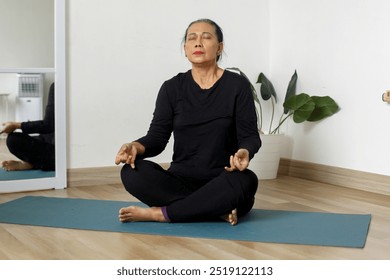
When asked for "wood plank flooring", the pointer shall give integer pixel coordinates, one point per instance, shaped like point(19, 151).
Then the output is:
point(20, 242)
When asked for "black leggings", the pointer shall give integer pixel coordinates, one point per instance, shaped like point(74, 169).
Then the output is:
point(187, 199)
point(39, 154)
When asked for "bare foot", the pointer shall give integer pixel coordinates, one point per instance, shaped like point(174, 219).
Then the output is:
point(141, 214)
point(13, 165)
point(231, 218)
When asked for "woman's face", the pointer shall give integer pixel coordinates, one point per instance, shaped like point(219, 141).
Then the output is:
point(201, 45)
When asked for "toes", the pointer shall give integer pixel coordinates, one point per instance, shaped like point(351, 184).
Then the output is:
point(124, 217)
point(233, 217)
point(126, 210)
point(126, 214)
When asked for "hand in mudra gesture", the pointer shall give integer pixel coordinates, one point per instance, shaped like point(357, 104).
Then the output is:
point(10, 127)
point(128, 153)
point(239, 161)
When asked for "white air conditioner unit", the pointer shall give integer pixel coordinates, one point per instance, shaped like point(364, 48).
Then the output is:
point(29, 102)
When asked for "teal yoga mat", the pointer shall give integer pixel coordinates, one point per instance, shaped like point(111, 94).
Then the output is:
point(311, 228)
point(25, 174)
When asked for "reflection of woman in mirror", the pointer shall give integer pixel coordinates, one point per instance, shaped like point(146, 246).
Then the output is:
point(34, 152)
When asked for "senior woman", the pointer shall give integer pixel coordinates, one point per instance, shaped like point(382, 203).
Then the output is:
point(212, 116)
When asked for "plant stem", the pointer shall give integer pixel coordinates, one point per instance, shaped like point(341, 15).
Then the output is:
point(280, 123)
point(280, 120)
point(272, 115)
point(260, 117)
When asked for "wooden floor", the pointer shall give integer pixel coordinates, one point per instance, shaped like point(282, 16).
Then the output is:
point(285, 193)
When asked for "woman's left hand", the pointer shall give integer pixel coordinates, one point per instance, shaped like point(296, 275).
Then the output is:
point(10, 127)
point(240, 161)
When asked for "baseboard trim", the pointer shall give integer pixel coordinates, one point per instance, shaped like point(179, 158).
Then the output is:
point(81, 177)
point(343, 177)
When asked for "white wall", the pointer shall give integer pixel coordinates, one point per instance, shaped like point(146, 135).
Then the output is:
point(341, 49)
point(119, 54)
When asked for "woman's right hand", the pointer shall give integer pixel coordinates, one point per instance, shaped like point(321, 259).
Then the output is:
point(128, 153)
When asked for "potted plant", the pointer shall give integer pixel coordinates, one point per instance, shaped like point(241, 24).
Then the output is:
point(301, 107)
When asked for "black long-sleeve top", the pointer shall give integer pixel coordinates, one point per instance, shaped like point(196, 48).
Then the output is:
point(45, 127)
point(208, 125)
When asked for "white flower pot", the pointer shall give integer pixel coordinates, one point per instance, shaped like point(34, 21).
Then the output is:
point(265, 163)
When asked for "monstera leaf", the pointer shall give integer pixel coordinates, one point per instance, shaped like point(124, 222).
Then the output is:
point(325, 107)
point(301, 105)
point(310, 108)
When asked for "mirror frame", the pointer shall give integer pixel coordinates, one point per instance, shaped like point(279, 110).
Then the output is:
point(59, 70)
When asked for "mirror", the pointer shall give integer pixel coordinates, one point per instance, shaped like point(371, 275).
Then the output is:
point(33, 43)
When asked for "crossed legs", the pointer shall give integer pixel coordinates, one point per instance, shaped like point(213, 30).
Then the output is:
point(33, 153)
point(176, 199)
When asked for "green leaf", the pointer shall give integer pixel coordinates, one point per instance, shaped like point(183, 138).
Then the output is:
point(267, 90)
point(325, 106)
point(302, 105)
point(291, 88)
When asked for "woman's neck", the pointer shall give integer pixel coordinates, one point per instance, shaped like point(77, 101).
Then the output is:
point(206, 77)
